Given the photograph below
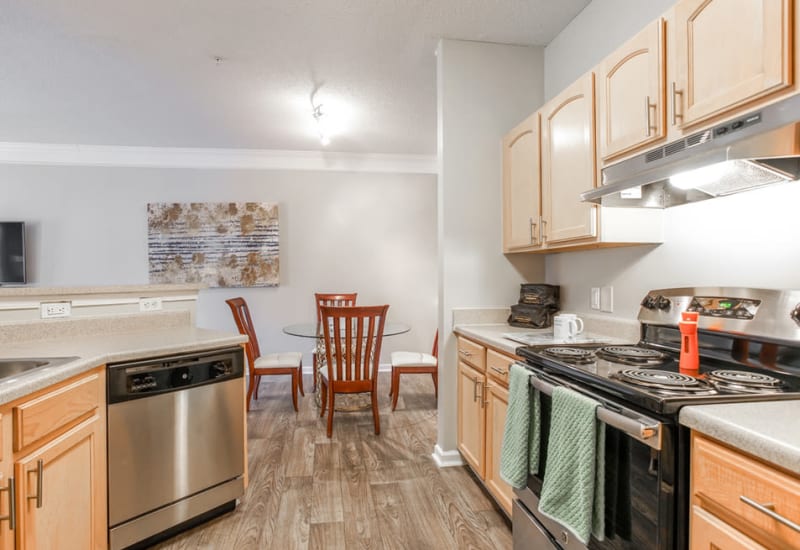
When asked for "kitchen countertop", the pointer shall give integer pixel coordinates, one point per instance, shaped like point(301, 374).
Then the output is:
point(93, 351)
point(492, 335)
point(765, 429)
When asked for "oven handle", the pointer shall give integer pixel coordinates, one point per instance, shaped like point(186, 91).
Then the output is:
point(644, 429)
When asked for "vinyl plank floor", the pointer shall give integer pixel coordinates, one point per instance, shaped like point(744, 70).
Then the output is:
point(353, 491)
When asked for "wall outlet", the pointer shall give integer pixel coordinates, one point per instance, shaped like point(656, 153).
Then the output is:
point(607, 299)
point(594, 302)
point(50, 310)
point(149, 304)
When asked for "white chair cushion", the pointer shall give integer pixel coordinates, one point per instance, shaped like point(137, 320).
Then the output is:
point(279, 360)
point(412, 359)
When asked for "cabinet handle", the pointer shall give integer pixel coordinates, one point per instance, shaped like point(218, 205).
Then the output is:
point(544, 233)
point(484, 394)
point(675, 93)
point(39, 471)
point(501, 372)
point(482, 386)
point(12, 504)
point(647, 115)
point(769, 509)
point(465, 353)
point(533, 229)
point(474, 389)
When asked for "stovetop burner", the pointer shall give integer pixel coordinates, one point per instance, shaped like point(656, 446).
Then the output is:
point(574, 356)
point(632, 355)
point(665, 382)
point(744, 382)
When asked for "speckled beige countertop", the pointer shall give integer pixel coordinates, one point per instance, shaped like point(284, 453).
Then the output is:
point(93, 351)
point(492, 335)
point(768, 430)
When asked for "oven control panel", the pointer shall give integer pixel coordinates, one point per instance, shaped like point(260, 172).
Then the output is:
point(715, 306)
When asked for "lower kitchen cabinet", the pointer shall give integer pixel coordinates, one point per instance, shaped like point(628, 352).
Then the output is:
point(737, 500)
point(53, 444)
point(482, 405)
point(471, 419)
point(496, 406)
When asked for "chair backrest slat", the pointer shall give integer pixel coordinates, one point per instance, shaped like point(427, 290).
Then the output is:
point(353, 337)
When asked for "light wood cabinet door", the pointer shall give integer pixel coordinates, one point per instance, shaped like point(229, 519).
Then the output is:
point(6, 479)
point(568, 163)
point(630, 93)
point(471, 417)
point(61, 491)
point(727, 53)
point(496, 407)
point(521, 186)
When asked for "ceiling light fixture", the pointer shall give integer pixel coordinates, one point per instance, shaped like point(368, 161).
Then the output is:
point(322, 125)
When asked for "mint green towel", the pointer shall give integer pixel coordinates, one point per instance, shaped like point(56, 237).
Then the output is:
point(573, 488)
point(519, 453)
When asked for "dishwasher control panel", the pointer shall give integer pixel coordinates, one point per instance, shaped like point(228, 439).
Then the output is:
point(159, 375)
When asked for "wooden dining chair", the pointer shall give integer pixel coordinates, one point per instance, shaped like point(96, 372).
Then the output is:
point(329, 299)
point(410, 362)
point(264, 365)
point(353, 337)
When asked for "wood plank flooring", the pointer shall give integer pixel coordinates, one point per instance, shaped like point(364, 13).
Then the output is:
point(355, 490)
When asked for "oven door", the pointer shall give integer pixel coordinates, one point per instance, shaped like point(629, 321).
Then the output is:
point(640, 474)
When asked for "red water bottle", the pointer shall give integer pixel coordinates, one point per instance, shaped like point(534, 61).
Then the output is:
point(690, 357)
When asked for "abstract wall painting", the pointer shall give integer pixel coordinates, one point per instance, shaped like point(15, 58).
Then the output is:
point(232, 244)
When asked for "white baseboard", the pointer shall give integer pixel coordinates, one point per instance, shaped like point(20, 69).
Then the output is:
point(446, 459)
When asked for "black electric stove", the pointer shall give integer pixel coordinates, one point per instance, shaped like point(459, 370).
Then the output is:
point(749, 348)
point(749, 343)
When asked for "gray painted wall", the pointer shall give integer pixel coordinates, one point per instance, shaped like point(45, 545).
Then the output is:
point(483, 91)
point(370, 233)
point(743, 240)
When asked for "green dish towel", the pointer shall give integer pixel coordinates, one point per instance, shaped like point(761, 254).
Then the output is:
point(573, 488)
point(519, 453)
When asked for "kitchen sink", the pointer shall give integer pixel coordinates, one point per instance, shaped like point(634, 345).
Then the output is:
point(13, 367)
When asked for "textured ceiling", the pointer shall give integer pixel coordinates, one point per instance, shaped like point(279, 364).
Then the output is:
point(117, 72)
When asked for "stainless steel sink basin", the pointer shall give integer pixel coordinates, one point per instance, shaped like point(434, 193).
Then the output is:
point(13, 367)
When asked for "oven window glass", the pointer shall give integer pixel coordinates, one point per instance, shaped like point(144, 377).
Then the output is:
point(632, 488)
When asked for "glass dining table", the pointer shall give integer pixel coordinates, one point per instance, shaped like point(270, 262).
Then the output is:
point(312, 330)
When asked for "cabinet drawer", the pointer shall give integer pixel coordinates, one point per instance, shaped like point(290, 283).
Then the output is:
point(472, 353)
point(498, 365)
point(709, 531)
point(722, 476)
point(46, 414)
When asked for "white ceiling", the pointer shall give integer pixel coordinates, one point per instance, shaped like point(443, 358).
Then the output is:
point(118, 72)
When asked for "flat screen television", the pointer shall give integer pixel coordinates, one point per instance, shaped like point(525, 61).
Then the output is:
point(12, 253)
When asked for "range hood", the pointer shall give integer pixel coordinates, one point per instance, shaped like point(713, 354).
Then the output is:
point(758, 149)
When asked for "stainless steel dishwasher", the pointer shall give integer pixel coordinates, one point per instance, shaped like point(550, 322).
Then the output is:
point(175, 444)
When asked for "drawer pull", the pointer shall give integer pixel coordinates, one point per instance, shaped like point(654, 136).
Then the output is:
point(465, 353)
point(475, 389)
point(39, 471)
point(501, 372)
point(12, 504)
point(769, 509)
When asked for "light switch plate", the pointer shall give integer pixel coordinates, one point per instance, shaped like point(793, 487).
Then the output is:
point(594, 302)
point(607, 299)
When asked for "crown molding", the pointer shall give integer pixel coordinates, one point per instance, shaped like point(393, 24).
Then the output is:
point(211, 159)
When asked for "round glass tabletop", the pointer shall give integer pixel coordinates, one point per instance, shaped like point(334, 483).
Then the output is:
point(309, 330)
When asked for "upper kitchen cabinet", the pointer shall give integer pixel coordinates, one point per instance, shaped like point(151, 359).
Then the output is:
point(521, 178)
point(630, 94)
point(727, 53)
point(568, 163)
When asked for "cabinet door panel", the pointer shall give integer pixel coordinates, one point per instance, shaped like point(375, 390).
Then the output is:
point(521, 182)
point(568, 163)
point(72, 514)
point(729, 52)
point(496, 407)
point(471, 419)
point(630, 93)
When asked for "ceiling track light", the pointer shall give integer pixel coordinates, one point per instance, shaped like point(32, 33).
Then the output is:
point(319, 117)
